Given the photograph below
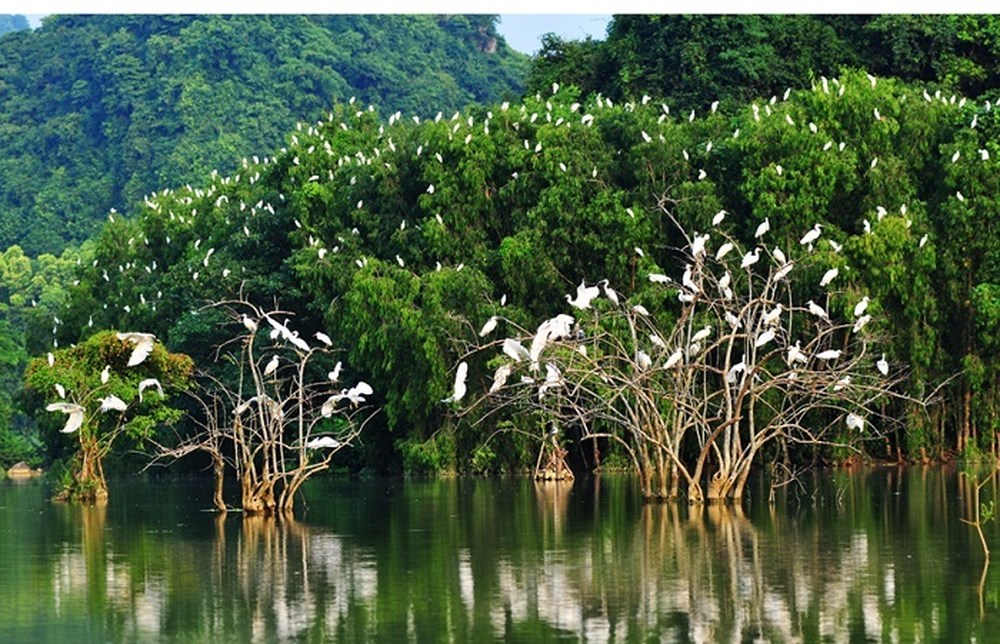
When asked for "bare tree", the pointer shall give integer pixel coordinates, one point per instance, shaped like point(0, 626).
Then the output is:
point(283, 418)
point(694, 393)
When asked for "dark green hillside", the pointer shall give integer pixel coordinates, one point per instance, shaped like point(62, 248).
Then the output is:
point(98, 111)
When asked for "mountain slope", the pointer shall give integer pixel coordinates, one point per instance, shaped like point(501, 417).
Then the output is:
point(97, 111)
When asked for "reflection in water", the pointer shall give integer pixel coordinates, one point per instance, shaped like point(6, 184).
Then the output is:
point(879, 555)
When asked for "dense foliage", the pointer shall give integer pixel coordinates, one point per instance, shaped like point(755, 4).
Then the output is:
point(692, 60)
point(96, 111)
point(399, 239)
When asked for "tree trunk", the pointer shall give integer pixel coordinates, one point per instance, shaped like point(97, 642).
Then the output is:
point(88, 485)
point(219, 471)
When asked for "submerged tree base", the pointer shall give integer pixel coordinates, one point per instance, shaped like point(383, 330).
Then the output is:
point(85, 493)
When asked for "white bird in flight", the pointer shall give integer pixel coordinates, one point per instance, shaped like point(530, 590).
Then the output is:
point(143, 343)
point(75, 412)
point(147, 383)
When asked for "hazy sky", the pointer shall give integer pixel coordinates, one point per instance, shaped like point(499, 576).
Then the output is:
point(523, 32)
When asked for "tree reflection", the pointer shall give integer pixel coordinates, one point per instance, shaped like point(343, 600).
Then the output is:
point(877, 555)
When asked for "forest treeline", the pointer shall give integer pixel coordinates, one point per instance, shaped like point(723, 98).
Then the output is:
point(400, 236)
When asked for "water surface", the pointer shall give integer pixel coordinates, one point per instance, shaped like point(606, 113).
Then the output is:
point(876, 555)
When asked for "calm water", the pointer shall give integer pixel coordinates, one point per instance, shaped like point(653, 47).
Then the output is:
point(879, 555)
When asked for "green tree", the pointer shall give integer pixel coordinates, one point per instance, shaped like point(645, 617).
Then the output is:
point(105, 388)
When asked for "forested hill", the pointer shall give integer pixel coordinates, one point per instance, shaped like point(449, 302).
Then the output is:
point(98, 111)
point(10, 22)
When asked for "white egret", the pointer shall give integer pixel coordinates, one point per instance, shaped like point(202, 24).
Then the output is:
point(750, 258)
point(739, 367)
point(773, 316)
point(811, 236)
point(829, 276)
point(75, 412)
point(733, 320)
point(843, 382)
point(784, 270)
point(500, 377)
point(883, 366)
point(698, 245)
point(723, 251)
point(860, 307)
point(488, 326)
point(112, 402)
point(640, 309)
point(324, 338)
point(817, 310)
point(703, 334)
point(334, 375)
point(460, 388)
point(515, 350)
point(60, 390)
point(719, 216)
point(855, 422)
point(51, 358)
point(674, 359)
point(829, 354)
point(659, 278)
point(794, 354)
point(357, 393)
point(143, 345)
point(553, 378)
point(643, 360)
point(687, 281)
point(147, 383)
point(861, 322)
point(763, 228)
point(609, 292)
point(323, 442)
point(764, 338)
point(657, 341)
point(724, 280)
point(272, 366)
point(779, 255)
point(105, 374)
point(584, 294)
